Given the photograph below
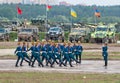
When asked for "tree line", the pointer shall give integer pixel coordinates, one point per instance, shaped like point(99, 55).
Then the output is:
point(109, 14)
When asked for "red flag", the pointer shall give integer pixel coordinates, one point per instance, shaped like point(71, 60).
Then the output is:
point(19, 11)
point(48, 7)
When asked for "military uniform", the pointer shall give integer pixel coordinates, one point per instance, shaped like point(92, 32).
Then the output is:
point(24, 52)
point(51, 55)
point(105, 54)
point(32, 48)
point(44, 54)
point(19, 54)
point(70, 53)
point(66, 57)
point(78, 53)
point(37, 57)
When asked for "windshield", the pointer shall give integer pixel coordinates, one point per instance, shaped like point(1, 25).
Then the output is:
point(26, 30)
point(2, 31)
point(101, 29)
point(76, 30)
point(54, 29)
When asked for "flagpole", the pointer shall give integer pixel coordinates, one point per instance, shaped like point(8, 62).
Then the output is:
point(46, 23)
point(71, 19)
point(95, 19)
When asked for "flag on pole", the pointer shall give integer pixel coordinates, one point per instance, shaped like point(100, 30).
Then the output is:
point(19, 10)
point(48, 7)
point(97, 13)
point(73, 13)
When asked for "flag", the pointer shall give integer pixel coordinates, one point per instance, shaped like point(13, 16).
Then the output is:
point(48, 7)
point(97, 13)
point(73, 13)
point(19, 11)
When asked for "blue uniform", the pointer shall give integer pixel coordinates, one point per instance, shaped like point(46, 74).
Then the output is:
point(24, 52)
point(44, 54)
point(78, 53)
point(57, 53)
point(32, 48)
point(105, 54)
point(66, 57)
point(37, 57)
point(70, 53)
point(19, 54)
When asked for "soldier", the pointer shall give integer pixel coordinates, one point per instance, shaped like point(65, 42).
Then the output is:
point(105, 53)
point(70, 52)
point(66, 56)
point(24, 52)
point(51, 54)
point(44, 53)
point(37, 56)
point(32, 48)
point(19, 54)
point(79, 50)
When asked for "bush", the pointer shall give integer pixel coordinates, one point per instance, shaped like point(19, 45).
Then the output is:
point(13, 36)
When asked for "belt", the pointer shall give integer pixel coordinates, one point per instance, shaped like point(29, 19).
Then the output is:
point(23, 51)
point(43, 51)
point(36, 52)
point(50, 51)
point(19, 51)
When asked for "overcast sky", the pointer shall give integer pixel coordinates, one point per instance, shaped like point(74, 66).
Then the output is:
point(92, 2)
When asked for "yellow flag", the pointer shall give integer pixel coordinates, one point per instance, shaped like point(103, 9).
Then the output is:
point(73, 13)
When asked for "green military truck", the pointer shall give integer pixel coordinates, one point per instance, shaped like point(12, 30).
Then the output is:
point(104, 33)
point(28, 34)
point(4, 34)
point(79, 34)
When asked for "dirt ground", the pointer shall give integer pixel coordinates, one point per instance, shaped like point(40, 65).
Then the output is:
point(87, 66)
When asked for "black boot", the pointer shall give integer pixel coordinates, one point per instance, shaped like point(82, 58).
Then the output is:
point(105, 63)
point(70, 64)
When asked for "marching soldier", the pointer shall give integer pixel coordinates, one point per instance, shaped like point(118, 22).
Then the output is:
point(37, 56)
point(51, 54)
point(105, 53)
point(44, 54)
point(66, 56)
point(19, 54)
point(32, 48)
point(24, 52)
point(79, 50)
point(70, 53)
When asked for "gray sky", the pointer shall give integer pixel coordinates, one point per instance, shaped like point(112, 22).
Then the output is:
point(92, 2)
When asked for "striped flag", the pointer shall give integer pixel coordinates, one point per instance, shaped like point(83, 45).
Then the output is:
point(97, 13)
point(73, 13)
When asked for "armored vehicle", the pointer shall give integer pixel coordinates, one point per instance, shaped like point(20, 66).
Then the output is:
point(103, 33)
point(55, 33)
point(79, 34)
point(28, 34)
point(4, 34)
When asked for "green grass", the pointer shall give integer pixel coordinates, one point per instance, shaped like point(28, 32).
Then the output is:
point(39, 77)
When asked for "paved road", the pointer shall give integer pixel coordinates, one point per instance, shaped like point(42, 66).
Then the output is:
point(87, 66)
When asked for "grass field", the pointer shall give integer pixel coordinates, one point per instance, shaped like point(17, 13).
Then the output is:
point(39, 77)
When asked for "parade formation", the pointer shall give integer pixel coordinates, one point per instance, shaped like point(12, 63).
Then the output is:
point(49, 53)
point(46, 53)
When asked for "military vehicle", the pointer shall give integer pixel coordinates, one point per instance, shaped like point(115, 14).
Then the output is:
point(103, 33)
point(55, 33)
point(79, 34)
point(28, 34)
point(4, 34)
